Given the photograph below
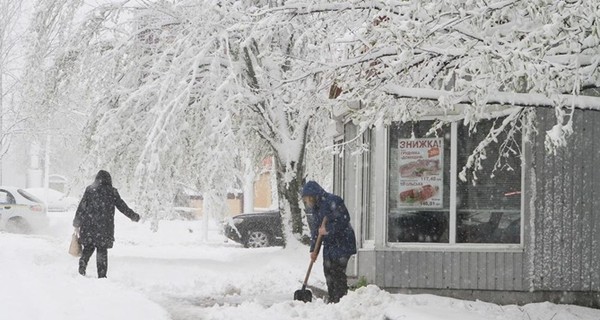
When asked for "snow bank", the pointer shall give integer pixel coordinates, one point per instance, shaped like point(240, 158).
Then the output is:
point(40, 281)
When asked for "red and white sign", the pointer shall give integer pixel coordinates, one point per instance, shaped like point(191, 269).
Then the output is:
point(421, 164)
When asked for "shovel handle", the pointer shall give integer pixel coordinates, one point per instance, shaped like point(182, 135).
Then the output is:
point(317, 249)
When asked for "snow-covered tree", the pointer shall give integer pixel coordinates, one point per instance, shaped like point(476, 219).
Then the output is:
point(187, 91)
point(49, 101)
point(405, 59)
point(157, 82)
point(10, 14)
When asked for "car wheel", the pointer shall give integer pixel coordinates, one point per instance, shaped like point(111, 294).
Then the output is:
point(17, 225)
point(257, 239)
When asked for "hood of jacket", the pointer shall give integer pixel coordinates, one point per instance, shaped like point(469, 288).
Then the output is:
point(103, 178)
point(312, 188)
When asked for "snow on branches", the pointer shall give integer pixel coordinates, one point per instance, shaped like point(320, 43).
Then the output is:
point(407, 59)
point(184, 90)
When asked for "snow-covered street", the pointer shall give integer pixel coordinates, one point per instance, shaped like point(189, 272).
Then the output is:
point(173, 274)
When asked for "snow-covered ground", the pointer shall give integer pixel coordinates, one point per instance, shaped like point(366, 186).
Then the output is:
point(173, 274)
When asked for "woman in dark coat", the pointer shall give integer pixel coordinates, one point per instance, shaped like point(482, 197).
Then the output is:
point(94, 221)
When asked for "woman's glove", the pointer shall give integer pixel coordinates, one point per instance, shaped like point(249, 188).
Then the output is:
point(135, 218)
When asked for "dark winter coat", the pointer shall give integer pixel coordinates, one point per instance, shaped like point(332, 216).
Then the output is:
point(95, 216)
point(340, 241)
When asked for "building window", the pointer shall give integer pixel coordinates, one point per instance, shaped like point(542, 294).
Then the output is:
point(355, 177)
point(338, 170)
point(419, 190)
point(368, 192)
point(421, 164)
point(488, 211)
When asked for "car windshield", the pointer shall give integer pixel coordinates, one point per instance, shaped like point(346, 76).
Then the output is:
point(29, 196)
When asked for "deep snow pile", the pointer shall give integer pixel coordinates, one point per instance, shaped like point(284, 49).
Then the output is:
point(173, 274)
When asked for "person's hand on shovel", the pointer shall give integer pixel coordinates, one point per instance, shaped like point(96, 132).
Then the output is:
point(322, 231)
point(315, 253)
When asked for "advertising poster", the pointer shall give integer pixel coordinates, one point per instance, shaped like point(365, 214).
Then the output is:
point(421, 172)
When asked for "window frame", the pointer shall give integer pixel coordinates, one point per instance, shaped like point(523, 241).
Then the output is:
point(452, 245)
point(368, 211)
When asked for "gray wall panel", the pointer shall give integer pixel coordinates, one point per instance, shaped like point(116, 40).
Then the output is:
point(566, 263)
point(500, 271)
point(557, 222)
point(439, 270)
point(413, 271)
point(541, 213)
point(587, 175)
point(390, 268)
point(367, 265)
point(568, 195)
point(595, 214)
point(577, 213)
point(482, 271)
point(473, 267)
point(403, 269)
point(455, 260)
point(451, 270)
point(430, 283)
point(447, 270)
point(463, 263)
point(518, 275)
point(422, 269)
point(491, 268)
point(509, 272)
point(379, 265)
point(545, 178)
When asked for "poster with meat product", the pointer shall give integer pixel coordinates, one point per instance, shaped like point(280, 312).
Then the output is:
point(421, 172)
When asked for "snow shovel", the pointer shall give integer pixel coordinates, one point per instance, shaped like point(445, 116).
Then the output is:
point(304, 294)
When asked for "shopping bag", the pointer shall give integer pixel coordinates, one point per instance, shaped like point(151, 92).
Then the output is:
point(75, 247)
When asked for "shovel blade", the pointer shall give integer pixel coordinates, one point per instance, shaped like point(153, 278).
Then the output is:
point(303, 295)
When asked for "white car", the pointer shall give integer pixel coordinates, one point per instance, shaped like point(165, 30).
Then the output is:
point(20, 211)
point(54, 200)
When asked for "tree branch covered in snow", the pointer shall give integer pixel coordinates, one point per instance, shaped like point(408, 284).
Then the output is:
point(10, 118)
point(186, 91)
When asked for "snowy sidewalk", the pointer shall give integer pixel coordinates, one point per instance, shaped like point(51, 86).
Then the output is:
point(173, 274)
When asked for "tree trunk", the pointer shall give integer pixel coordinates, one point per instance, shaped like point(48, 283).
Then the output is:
point(248, 186)
point(289, 188)
point(289, 192)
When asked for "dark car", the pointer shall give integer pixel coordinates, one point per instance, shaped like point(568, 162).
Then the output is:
point(255, 230)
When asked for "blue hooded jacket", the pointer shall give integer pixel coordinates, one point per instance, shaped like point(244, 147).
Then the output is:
point(340, 242)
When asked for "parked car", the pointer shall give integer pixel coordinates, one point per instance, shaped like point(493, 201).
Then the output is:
point(55, 200)
point(257, 230)
point(20, 211)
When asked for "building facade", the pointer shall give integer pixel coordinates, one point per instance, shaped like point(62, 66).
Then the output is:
point(525, 227)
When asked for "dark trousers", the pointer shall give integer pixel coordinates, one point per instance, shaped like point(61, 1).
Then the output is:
point(101, 260)
point(335, 275)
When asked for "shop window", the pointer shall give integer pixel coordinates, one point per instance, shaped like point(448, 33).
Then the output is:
point(419, 190)
point(421, 162)
point(489, 208)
